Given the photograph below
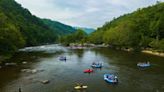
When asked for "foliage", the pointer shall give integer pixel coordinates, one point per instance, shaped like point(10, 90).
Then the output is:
point(10, 37)
point(78, 37)
point(140, 29)
point(58, 27)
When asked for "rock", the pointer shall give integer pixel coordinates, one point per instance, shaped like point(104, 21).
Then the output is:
point(24, 62)
point(34, 71)
point(0, 67)
point(26, 70)
point(163, 87)
point(45, 81)
point(10, 64)
point(41, 70)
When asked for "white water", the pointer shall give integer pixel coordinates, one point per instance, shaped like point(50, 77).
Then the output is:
point(44, 48)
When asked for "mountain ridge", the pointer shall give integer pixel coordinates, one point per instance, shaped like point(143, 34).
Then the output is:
point(86, 29)
point(59, 27)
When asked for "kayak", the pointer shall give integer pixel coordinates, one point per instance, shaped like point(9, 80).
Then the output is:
point(110, 78)
point(88, 71)
point(81, 87)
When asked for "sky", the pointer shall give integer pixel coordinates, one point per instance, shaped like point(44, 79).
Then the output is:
point(83, 13)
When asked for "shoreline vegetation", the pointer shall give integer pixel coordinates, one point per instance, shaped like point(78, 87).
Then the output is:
point(3, 58)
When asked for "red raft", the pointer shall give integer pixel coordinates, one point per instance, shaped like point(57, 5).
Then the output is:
point(88, 71)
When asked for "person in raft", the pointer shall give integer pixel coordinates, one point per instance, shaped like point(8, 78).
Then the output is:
point(81, 84)
point(115, 78)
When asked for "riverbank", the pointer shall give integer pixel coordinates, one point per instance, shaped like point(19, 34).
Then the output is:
point(147, 51)
point(4, 58)
point(87, 45)
point(153, 53)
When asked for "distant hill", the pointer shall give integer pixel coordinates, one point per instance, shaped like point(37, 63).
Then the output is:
point(87, 30)
point(58, 27)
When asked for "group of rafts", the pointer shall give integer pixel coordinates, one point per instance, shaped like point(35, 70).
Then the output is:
point(110, 78)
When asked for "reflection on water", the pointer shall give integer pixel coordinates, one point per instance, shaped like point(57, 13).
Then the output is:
point(63, 76)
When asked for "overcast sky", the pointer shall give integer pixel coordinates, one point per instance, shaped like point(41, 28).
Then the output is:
point(83, 13)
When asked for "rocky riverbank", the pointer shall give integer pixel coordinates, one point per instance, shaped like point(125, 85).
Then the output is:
point(153, 53)
point(3, 58)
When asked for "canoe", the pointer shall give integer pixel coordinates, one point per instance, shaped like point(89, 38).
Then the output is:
point(81, 87)
point(110, 78)
point(88, 71)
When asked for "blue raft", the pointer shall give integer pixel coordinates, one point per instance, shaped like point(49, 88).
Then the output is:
point(62, 58)
point(143, 65)
point(110, 78)
point(96, 65)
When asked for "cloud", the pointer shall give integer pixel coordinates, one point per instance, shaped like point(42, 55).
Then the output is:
point(86, 13)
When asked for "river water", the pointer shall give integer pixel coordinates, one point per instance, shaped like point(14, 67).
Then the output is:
point(63, 75)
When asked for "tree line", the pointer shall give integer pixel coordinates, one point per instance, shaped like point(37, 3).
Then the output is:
point(79, 37)
point(144, 28)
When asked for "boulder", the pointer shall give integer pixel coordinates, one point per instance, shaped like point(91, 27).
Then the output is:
point(10, 64)
point(24, 62)
point(34, 71)
point(45, 81)
point(26, 70)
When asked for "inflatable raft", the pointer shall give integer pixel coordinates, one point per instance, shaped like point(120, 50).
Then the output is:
point(88, 71)
point(143, 65)
point(110, 78)
point(62, 58)
point(99, 65)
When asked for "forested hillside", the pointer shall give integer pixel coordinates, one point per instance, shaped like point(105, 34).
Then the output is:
point(19, 28)
point(58, 27)
point(141, 29)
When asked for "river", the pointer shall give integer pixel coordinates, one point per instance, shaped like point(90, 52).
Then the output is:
point(63, 75)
